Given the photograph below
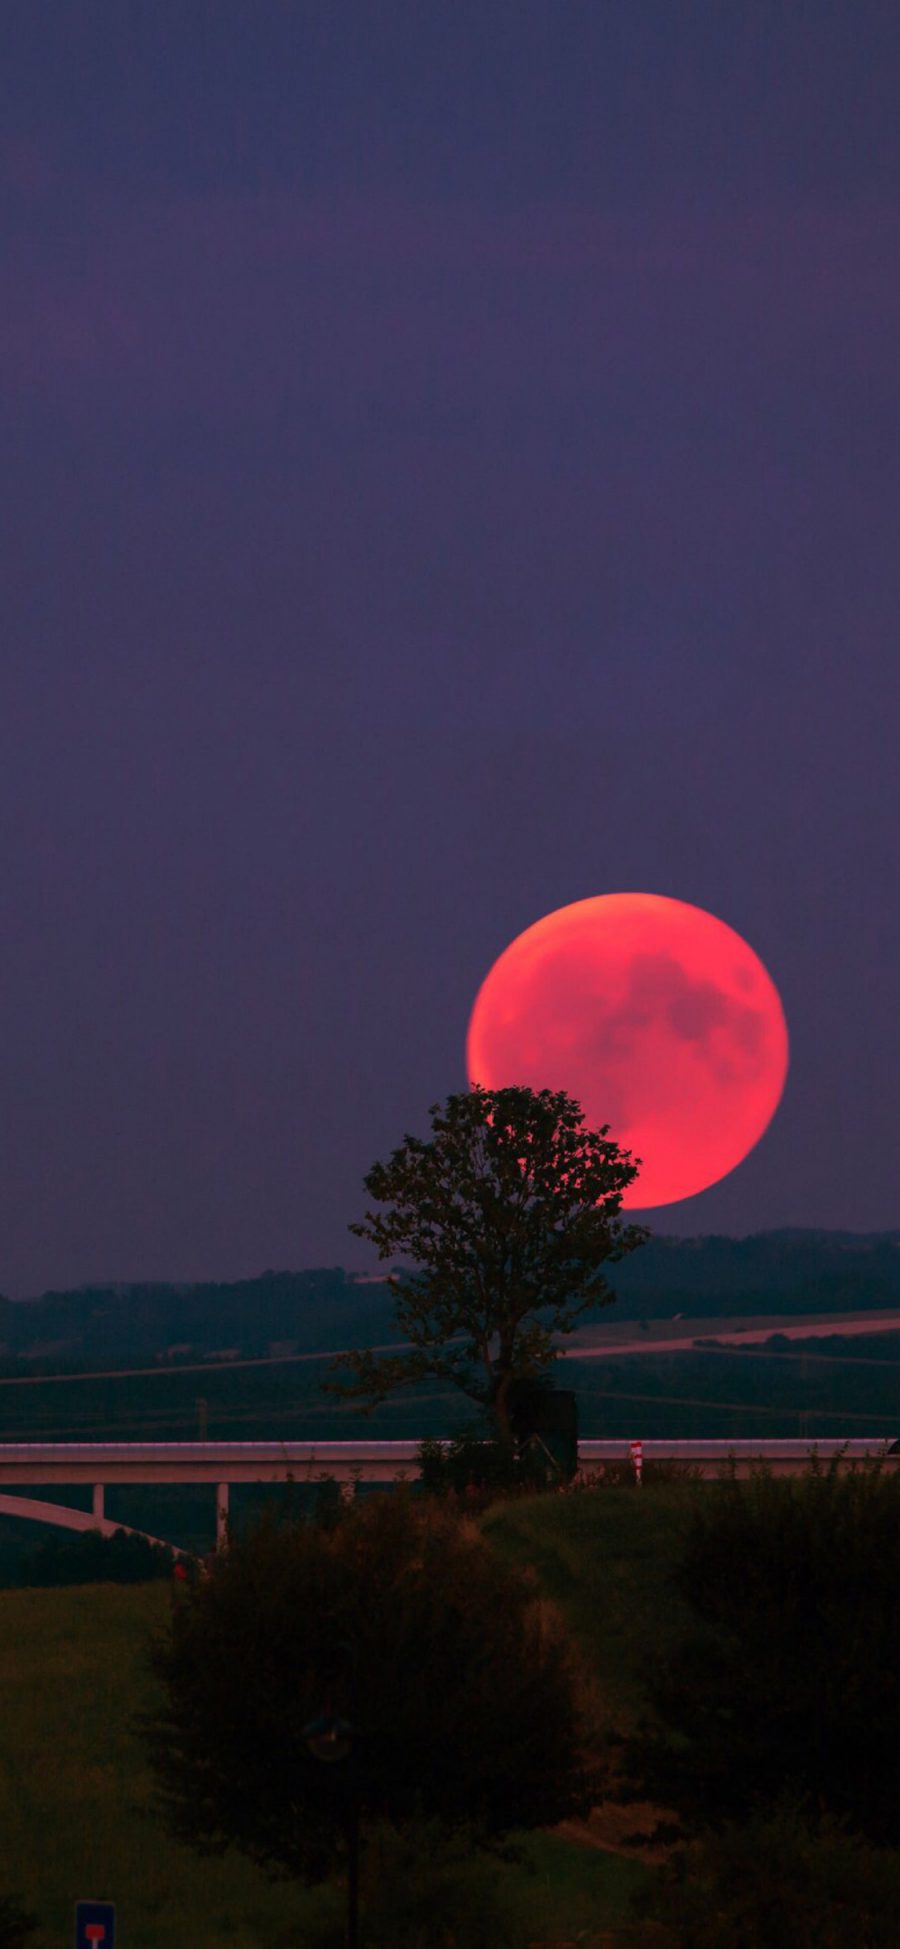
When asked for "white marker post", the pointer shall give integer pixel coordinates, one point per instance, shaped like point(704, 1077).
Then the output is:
point(637, 1460)
point(95, 1925)
point(222, 1516)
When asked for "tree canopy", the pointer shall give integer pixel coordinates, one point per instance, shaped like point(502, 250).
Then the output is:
point(464, 1698)
point(509, 1215)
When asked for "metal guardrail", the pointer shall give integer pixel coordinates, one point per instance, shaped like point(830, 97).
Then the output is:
point(31, 1464)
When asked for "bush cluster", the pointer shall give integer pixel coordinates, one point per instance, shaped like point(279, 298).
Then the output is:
point(788, 1677)
point(481, 1470)
point(778, 1881)
point(89, 1557)
point(464, 1700)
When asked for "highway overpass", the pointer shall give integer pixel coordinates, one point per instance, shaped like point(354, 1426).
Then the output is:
point(29, 1465)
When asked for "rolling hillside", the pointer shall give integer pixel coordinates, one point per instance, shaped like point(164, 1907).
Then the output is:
point(289, 1312)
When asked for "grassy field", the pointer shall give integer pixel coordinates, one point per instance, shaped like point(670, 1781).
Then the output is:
point(74, 1792)
point(606, 1557)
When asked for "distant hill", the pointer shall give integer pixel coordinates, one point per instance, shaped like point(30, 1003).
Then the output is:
point(287, 1312)
point(768, 1272)
point(120, 1324)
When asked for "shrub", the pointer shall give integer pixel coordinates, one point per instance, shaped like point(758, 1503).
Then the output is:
point(473, 1468)
point(777, 1882)
point(464, 1699)
point(92, 1558)
point(789, 1676)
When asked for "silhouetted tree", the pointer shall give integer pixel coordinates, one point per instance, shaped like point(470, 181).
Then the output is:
point(509, 1215)
point(463, 1698)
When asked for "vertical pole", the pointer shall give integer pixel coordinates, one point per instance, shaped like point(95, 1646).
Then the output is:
point(221, 1515)
point(353, 1870)
point(98, 1502)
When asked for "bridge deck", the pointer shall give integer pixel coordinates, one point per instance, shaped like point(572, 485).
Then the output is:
point(28, 1463)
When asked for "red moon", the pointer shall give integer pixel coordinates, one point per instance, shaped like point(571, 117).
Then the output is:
point(661, 1021)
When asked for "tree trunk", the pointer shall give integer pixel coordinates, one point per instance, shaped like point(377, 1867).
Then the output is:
point(353, 1871)
point(501, 1408)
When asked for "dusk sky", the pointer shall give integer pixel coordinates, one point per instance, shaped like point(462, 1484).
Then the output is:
point(452, 470)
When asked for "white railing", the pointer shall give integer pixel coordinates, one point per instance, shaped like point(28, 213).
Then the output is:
point(32, 1464)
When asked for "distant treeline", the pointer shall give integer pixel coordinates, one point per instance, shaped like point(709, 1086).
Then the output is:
point(295, 1312)
point(768, 1272)
point(120, 1325)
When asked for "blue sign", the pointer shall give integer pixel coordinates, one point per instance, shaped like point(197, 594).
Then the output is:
point(95, 1925)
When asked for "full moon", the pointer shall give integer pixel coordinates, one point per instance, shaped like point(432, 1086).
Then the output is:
point(658, 1017)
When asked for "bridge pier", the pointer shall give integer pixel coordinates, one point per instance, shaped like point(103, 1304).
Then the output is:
point(222, 1516)
point(97, 1504)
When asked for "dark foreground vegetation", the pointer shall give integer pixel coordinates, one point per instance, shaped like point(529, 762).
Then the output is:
point(711, 1664)
point(785, 1680)
point(17, 1924)
point(91, 1558)
point(397, 1625)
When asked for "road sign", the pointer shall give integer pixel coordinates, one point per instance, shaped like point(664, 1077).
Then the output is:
point(637, 1459)
point(95, 1925)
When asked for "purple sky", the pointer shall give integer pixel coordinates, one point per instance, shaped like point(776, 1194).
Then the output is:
point(452, 464)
